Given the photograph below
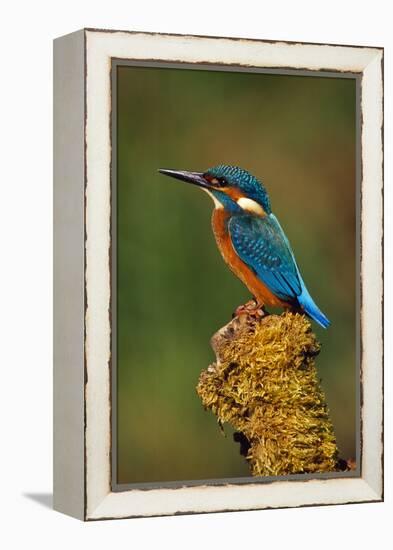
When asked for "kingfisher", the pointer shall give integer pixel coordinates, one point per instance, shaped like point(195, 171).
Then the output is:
point(251, 239)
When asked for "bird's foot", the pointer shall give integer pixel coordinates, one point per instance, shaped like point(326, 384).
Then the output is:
point(250, 308)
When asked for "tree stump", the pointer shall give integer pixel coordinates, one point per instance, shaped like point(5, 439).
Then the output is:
point(265, 384)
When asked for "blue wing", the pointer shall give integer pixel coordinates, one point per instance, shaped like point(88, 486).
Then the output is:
point(263, 246)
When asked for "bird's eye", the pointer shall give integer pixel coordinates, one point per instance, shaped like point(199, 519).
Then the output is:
point(219, 182)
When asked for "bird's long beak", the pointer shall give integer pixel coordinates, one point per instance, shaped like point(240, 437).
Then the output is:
point(196, 178)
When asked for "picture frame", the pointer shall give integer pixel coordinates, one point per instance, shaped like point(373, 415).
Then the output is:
point(84, 282)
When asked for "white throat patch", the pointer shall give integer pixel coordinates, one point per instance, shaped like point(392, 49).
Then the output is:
point(217, 203)
point(251, 206)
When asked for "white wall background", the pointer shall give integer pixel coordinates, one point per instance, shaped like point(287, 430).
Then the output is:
point(26, 292)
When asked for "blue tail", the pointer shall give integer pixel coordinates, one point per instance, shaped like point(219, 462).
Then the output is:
point(311, 308)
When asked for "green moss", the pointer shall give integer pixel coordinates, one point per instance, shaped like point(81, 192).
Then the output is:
point(265, 384)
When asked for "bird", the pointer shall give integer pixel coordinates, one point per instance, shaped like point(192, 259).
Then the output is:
point(251, 239)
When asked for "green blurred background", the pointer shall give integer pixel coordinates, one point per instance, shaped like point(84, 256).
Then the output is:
point(298, 135)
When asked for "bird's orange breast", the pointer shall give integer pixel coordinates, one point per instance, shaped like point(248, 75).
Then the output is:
point(239, 268)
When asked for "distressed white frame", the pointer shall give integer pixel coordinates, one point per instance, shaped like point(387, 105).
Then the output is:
point(99, 49)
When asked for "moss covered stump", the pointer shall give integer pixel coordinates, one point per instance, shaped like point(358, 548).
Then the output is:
point(265, 384)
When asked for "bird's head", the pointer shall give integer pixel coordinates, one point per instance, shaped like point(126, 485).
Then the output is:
point(230, 187)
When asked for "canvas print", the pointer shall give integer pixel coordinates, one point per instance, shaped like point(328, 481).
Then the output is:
point(235, 338)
